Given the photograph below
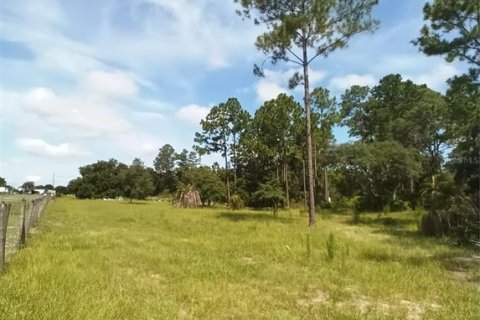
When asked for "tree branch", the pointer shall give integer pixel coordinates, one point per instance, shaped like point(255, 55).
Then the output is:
point(296, 56)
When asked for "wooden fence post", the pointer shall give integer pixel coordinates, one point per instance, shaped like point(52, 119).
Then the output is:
point(31, 218)
point(21, 228)
point(4, 213)
point(34, 213)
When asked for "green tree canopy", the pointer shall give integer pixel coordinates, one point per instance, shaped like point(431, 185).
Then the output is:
point(28, 186)
point(100, 179)
point(221, 131)
point(164, 165)
point(398, 110)
point(299, 31)
point(137, 182)
point(381, 170)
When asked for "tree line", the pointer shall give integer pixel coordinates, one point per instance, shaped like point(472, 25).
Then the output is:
point(411, 146)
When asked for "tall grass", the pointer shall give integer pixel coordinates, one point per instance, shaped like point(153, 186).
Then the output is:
point(146, 260)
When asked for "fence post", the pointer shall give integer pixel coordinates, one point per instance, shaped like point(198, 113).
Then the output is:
point(21, 228)
point(4, 213)
point(31, 218)
point(34, 213)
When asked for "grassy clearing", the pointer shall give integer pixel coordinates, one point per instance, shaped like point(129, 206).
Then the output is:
point(114, 260)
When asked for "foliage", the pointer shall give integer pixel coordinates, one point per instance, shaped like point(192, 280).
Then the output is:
point(452, 211)
point(398, 110)
point(381, 170)
point(74, 185)
point(3, 182)
point(137, 181)
point(452, 30)
point(165, 160)
point(296, 27)
point(28, 186)
point(164, 165)
point(61, 190)
point(186, 159)
point(463, 98)
point(188, 197)
point(206, 181)
point(99, 180)
point(270, 194)
point(236, 202)
point(274, 136)
point(221, 131)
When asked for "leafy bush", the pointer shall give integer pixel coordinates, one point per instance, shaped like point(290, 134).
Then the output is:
point(271, 195)
point(457, 211)
point(397, 205)
point(345, 204)
point(464, 219)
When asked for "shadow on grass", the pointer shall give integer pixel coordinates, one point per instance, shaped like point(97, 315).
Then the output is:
point(457, 259)
point(134, 202)
point(387, 221)
point(379, 256)
point(400, 227)
point(242, 216)
point(458, 262)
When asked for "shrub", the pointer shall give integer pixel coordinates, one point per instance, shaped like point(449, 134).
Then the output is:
point(397, 205)
point(432, 224)
point(236, 203)
point(345, 204)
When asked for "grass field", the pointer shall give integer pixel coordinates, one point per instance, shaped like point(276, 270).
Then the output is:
point(115, 260)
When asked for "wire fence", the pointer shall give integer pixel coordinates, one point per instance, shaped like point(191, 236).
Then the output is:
point(18, 219)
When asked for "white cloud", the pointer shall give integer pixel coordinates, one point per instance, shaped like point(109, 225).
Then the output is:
point(115, 84)
point(42, 148)
point(276, 82)
point(78, 114)
point(345, 82)
point(33, 177)
point(435, 78)
point(222, 33)
point(315, 76)
point(192, 113)
point(136, 144)
point(268, 89)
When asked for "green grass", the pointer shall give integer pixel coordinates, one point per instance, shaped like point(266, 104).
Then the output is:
point(147, 260)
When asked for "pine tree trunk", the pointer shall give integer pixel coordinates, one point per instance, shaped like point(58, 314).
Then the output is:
point(315, 166)
point(234, 163)
point(326, 186)
point(304, 184)
point(226, 175)
point(287, 191)
point(311, 192)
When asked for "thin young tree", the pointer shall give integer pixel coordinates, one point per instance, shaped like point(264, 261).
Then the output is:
point(221, 130)
point(274, 132)
point(298, 32)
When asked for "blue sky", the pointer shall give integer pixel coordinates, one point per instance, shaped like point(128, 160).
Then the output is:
point(83, 80)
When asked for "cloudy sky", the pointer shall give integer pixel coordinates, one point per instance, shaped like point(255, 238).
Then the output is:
point(83, 80)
